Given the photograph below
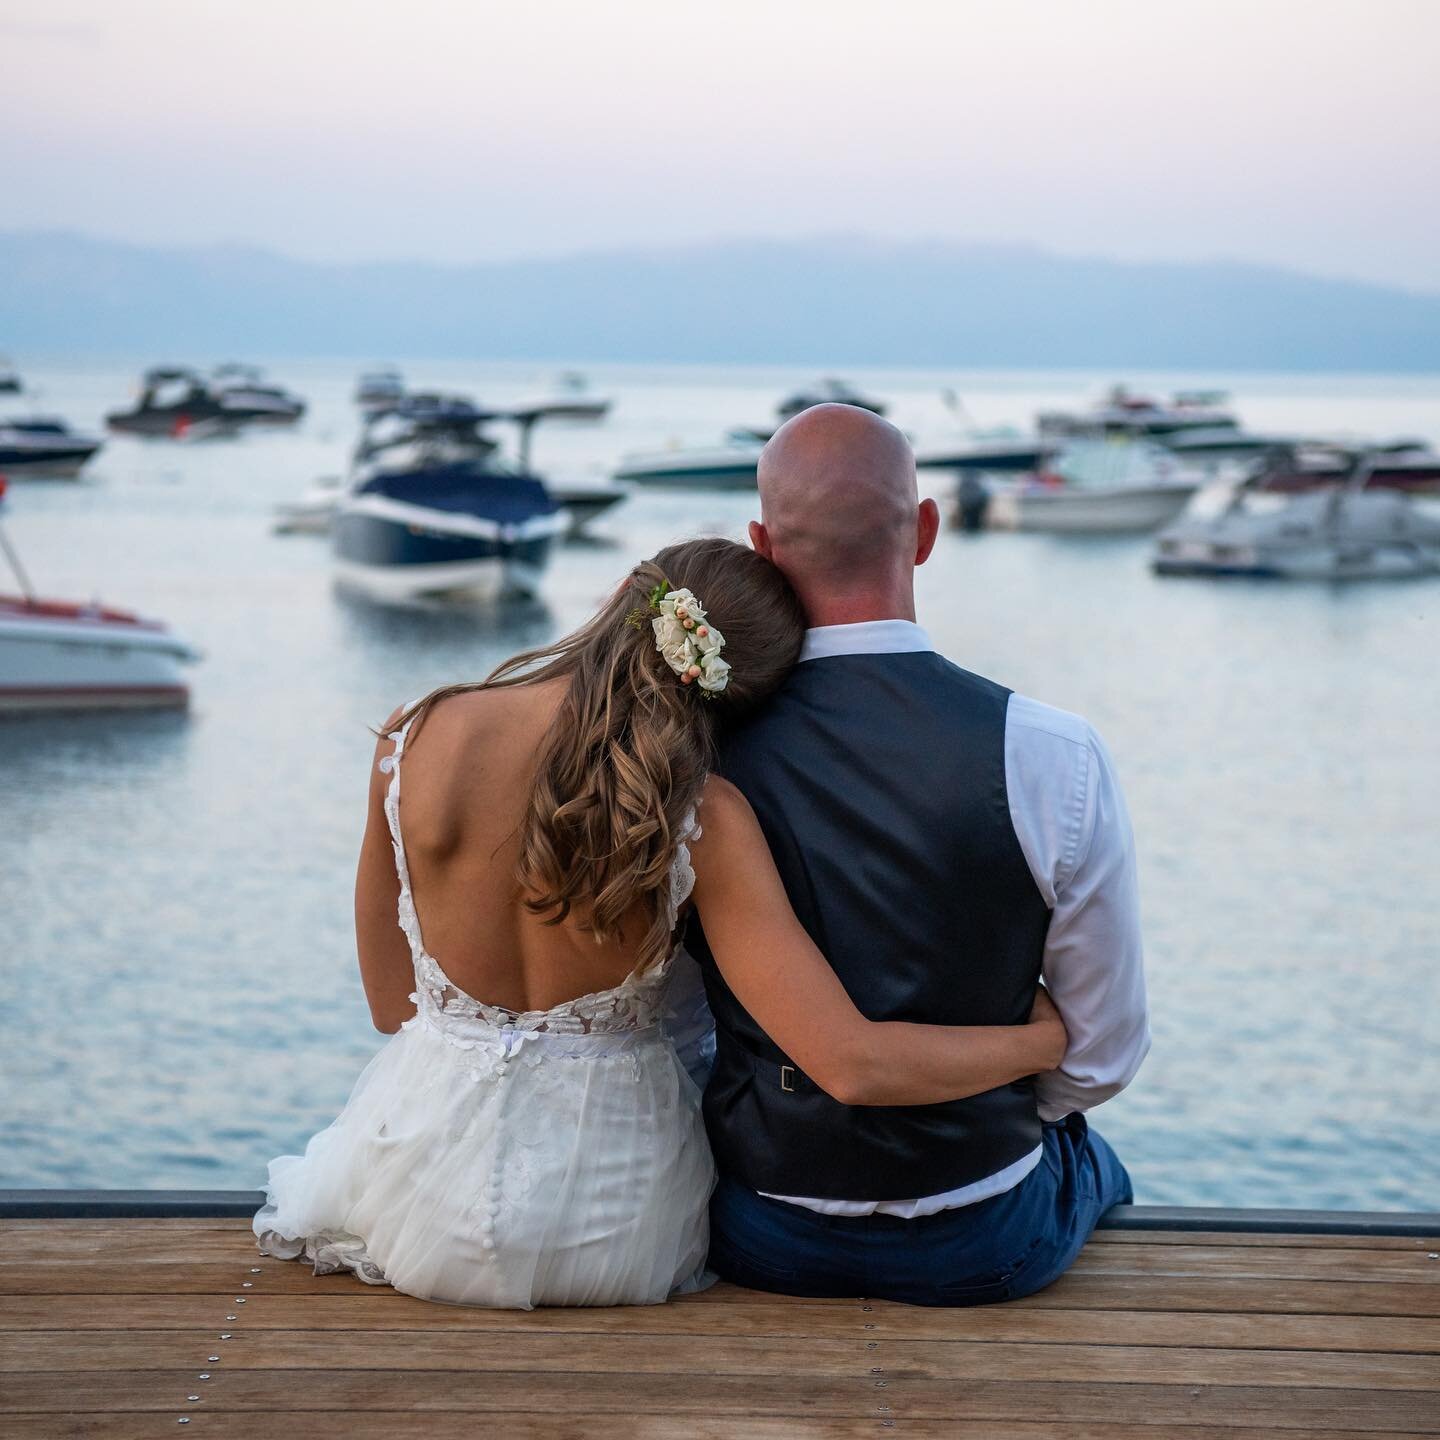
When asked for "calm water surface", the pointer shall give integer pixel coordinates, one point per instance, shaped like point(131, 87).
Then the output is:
point(180, 999)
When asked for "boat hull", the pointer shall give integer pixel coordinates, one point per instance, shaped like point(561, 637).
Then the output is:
point(56, 464)
point(55, 657)
point(721, 473)
point(397, 552)
point(1088, 510)
point(1399, 561)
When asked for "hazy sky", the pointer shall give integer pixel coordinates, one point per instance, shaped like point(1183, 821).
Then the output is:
point(1303, 132)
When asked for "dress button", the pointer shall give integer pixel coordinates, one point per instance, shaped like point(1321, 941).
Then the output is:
point(488, 1243)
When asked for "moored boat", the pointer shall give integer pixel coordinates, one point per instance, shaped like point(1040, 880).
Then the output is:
point(1346, 532)
point(44, 447)
point(70, 655)
point(434, 511)
point(731, 465)
point(245, 394)
point(570, 398)
point(1409, 466)
point(379, 390)
point(828, 391)
point(1122, 413)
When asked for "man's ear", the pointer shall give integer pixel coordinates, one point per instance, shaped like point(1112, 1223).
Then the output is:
point(760, 539)
point(928, 529)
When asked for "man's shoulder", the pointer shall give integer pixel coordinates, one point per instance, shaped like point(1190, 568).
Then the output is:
point(1037, 725)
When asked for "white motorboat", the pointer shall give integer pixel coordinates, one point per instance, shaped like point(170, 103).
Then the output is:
point(728, 466)
point(314, 512)
point(989, 453)
point(43, 447)
point(379, 390)
point(68, 655)
point(584, 503)
point(1097, 488)
point(1123, 413)
point(1349, 532)
point(827, 392)
point(570, 399)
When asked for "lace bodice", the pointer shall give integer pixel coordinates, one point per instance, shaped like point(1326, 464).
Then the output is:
point(638, 1001)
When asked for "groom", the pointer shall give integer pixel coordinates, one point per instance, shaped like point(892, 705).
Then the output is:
point(946, 843)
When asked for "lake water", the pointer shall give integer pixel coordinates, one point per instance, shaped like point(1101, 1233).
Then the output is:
point(180, 999)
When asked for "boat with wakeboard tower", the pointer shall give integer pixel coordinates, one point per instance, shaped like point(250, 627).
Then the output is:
point(434, 510)
point(44, 447)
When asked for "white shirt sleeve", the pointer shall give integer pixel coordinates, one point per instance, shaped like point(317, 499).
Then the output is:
point(1071, 821)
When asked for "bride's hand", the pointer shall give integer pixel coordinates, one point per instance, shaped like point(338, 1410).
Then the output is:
point(1048, 1029)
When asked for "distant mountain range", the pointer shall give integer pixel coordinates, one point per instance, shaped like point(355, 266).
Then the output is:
point(827, 301)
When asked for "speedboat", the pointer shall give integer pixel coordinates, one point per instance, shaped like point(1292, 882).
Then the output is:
point(1097, 488)
point(1349, 532)
point(1123, 413)
point(570, 399)
point(731, 465)
point(314, 512)
point(178, 403)
point(434, 511)
point(1409, 466)
point(583, 504)
point(379, 390)
point(44, 446)
point(9, 377)
point(69, 655)
point(990, 453)
point(245, 394)
point(827, 392)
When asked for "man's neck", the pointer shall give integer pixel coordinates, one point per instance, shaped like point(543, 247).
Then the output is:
point(855, 610)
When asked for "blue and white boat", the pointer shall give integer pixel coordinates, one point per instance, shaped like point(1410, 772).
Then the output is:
point(41, 445)
point(433, 509)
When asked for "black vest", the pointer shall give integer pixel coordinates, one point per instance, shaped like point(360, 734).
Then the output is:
point(879, 781)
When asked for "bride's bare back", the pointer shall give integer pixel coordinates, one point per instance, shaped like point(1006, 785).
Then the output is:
point(469, 769)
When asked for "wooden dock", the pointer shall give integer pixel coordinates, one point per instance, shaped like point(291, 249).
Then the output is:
point(141, 1327)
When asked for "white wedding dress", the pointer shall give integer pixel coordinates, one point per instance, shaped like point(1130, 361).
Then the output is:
point(485, 1157)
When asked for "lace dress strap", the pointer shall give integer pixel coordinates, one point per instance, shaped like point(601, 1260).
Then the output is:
point(390, 765)
point(682, 873)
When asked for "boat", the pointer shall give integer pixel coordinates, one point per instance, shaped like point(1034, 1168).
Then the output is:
point(71, 655)
point(827, 392)
point(995, 453)
point(584, 504)
point(1347, 532)
point(1409, 466)
point(379, 390)
point(182, 404)
point(731, 465)
point(1122, 413)
point(1095, 488)
point(314, 512)
point(175, 402)
point(434, 511)
point(570, 399)
point(45, 447)
point(244, 393)
point(10, 383)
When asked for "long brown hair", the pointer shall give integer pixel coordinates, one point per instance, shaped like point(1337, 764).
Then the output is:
point(629, 748)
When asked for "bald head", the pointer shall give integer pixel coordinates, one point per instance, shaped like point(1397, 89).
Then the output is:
point(840, 513)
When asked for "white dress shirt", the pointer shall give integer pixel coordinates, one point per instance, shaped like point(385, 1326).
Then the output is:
point(1073, 828)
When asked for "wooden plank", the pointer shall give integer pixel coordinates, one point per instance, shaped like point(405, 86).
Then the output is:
point(1077, 1290)
point(686, 1356)
point(1310, 1411)
point(517, 1425)
point(1263, 1238)
point(741, 1316)
point(1240, 1261)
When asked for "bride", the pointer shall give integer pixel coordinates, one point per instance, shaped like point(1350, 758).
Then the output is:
point(529, 1135)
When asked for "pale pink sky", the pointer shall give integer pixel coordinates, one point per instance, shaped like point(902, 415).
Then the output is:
point(1301, 132)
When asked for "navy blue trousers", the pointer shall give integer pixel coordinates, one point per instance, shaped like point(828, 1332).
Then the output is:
point(999, 1249)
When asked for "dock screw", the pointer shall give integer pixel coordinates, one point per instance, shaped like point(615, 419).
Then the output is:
point(205, 1376)
point(254, 1269)
point(183, 1420)
point(227, 1336)
point(232, 1317)
point(246, 1285)
point(214, 1358)
point(877, 1370)
point(192, 1397)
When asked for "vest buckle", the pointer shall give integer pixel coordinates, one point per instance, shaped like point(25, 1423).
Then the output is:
point(787, 1078)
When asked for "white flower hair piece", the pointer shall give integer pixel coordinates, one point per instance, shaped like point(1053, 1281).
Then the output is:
point(690, 645)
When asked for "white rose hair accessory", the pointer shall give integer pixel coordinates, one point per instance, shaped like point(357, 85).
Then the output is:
point(690, 645)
